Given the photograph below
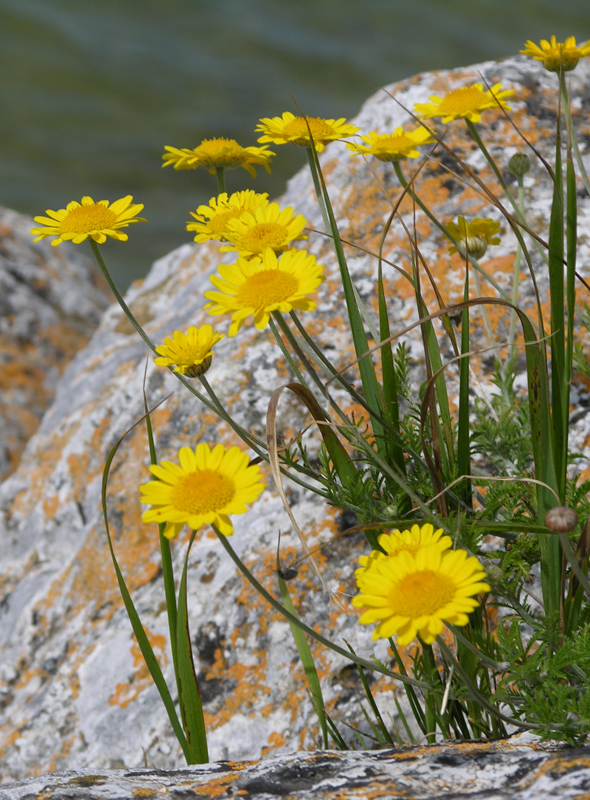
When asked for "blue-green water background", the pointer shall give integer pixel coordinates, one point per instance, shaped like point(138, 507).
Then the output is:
point(91, 90)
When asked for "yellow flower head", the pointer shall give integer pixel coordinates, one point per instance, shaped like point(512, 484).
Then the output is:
point(414, 594)
point(392, 146)
point(294, 130)
point(267, 226)
point(395, 541)
point(557, 56)
point(213, 154)
point(257, 286)
point(211, 220)
point(465, 103)
point(190, 352)
point(473, 237)
point(78, 221)
point(204, 489)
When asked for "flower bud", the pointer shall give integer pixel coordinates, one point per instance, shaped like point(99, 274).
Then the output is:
point(519, 164)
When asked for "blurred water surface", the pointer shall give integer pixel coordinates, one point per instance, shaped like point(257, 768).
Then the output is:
point(92, 90)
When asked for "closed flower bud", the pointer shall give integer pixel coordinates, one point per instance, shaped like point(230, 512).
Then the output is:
point(519, 164)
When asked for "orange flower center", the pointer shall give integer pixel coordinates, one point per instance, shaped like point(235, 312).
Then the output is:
point(86, 219)
point(267, 288)
point(421, 594)
point(202, 492)
point(462, 101)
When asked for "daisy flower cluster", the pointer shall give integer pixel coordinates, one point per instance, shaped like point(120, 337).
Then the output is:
point(415, 583)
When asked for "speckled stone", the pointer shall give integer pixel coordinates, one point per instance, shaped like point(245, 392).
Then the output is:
point(50, 303)
point(510, 770)
point(74, 692)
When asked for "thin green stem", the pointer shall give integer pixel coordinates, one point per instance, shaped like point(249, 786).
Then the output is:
point(220, 174)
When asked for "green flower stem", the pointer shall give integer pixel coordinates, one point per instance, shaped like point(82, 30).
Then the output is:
point(220, 174)
point(372, 665)
point(329, 369)
point(287, 355)
point(498, 174)
point(318, 188)
point(483, 310)
point(213, 404)
point(516, 274)
point(571, 134)
point(119, 297)
point(495, 170)
point(406, 186)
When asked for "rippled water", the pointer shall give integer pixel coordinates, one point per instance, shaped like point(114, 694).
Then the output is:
point(92, 90)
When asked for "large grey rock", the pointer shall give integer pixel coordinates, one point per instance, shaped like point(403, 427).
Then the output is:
point(50, 303)
point(74, 690)
point(511, 770)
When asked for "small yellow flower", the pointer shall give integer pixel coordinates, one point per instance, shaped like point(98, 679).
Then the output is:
point(411, 595)
point(190, 352)
point(257, 286)
point(294, 130)
point(465, 103)
point(473, 237)
point(392, 146)
point(268, 226)
point(395, 541)
point(78, 221)
point(204, 489)
point(213, 154)
point(211, 220)
point(557, 56)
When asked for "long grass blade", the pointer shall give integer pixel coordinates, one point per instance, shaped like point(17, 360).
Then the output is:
point(190, 699)
point(140, 635)
point(306, 657)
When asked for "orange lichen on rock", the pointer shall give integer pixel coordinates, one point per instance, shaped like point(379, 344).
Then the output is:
point(125, 693)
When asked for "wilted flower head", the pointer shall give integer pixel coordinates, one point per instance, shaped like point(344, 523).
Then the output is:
point(473, 237)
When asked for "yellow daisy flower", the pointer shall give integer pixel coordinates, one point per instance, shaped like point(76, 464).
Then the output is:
point(191, 352)
point(465, 103)
point(78, 221)
point(257, 286)
point(392, 146)
point(473, 237)
point(413, 595)
point(212, 154)
point(293, 130)
point(557, 56)
point(207, 486)
point(410, 540)
point(268, 226)
point(211, 220)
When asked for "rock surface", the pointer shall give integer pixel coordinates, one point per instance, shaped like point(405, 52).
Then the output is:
point(51, 300)
point(74, 691)
point(509, 770)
